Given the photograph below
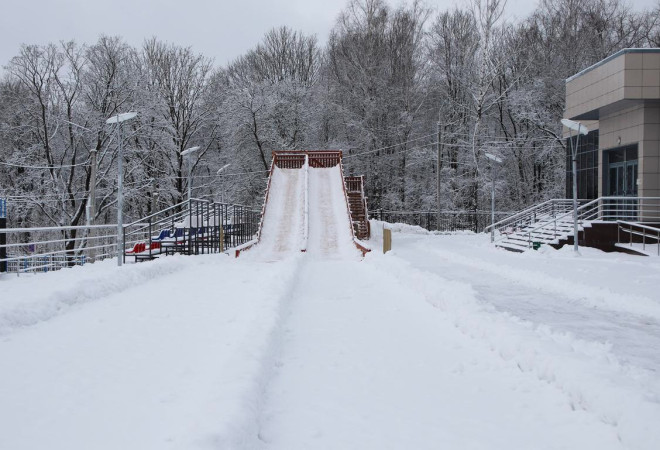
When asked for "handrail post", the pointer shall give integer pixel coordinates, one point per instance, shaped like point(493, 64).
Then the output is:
point(189, 226)
point(644, 239)
point(150, 238)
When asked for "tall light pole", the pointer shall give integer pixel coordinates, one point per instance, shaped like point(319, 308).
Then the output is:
point(118, 119)
point(185, 154)
point(222, 192)
point(581, 129)
point(492, 194)
point(91, 204)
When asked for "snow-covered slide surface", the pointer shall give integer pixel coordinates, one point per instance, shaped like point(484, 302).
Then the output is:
point(283, 229)
point(329, 222)
point(325, 232)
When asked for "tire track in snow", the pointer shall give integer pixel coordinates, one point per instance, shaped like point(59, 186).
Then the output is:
point(246, 429)
point(589, 295)
point(582, 371)
point(631, 339)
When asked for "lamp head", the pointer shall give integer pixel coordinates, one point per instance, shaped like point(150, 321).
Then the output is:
point(190, 150)
point(493, 158)
point(119, 118)
point(575, 126)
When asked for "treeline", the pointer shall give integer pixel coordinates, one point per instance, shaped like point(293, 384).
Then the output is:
point(394, 88)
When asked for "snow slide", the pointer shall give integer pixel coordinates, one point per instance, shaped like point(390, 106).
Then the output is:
point(283, 229)
point(306, 210)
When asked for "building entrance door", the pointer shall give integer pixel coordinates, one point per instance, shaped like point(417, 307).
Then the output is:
point(622, 181)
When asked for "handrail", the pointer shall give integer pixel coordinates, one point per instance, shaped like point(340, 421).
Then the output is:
point(592, 210)
point(358, 244)
point(559, 218)
point(520, 214)
point(263, 207)
point(638, 225)
point(156, 213)
point(630, 230)
point(64, 228)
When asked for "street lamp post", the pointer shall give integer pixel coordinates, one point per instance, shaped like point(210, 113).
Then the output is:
point(492, 194)
point(185, 154)
point(91, 204)
point(222, 192)
point(118, 119)
point(581, 129)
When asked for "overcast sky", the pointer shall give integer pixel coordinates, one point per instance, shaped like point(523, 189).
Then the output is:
point(220, 29)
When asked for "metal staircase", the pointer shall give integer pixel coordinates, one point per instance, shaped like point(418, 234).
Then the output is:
point(357, 203)
point(551, 222)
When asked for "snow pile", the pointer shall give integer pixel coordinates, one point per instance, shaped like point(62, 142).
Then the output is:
point(410, 229)
point(32, 298)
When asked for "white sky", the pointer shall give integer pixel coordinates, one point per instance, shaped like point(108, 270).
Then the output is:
point(220, 29)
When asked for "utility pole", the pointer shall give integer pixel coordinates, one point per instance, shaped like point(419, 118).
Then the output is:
point(439, 168)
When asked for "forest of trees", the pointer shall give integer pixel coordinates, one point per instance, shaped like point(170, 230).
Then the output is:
point(393, 88)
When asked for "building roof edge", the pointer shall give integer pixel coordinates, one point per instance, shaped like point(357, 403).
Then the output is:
point(610, 58)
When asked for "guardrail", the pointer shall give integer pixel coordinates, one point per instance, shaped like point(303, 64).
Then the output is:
point(41, 249)
point(192, 227)
point(638, 234)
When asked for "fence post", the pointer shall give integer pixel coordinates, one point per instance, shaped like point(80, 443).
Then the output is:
point(387, 240)
point(3, 236)
point(121, 245)
point(149, 239)
point(189, 226)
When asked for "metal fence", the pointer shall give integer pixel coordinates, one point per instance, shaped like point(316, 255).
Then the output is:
point(192, 227)
point(41, 249)
point(446, 221)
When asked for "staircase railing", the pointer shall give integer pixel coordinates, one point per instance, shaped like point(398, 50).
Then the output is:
point(584, 211)
point(355, 184)
point(640, 209)
point(529, 216)
point(638, 234)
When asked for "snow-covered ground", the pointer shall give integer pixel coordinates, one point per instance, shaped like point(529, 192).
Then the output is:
point(445, 342)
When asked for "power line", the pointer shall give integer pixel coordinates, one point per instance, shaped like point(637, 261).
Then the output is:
point(44, 167)
point(389, 146)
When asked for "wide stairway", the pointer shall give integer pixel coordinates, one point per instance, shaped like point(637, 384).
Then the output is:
point(549, 223)
point(606, 222)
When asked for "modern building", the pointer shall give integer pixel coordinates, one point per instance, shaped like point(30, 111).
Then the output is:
point(618, 99)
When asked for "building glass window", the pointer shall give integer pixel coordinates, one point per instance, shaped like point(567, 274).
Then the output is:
point(587, 166)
